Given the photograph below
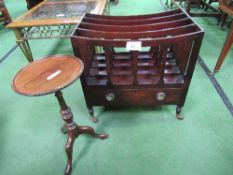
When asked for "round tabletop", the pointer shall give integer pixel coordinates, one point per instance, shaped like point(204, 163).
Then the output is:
point(47, 75)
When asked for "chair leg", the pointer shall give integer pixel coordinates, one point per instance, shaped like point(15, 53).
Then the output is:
point(223, 19)
point(219, 17)
point(225, 49)
point(230, 23)
point(206, 8)
point(166, 3)
point(5, 13)
point(115, 1)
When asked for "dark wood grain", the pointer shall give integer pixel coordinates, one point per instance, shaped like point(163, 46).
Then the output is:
point(227, 8)
point(52, 74)
point(73, 130)
point(159, 74)
point(37, 78)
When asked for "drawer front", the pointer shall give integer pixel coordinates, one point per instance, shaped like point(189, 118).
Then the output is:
point(124, 97)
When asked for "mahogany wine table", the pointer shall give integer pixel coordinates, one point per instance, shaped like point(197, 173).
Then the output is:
point(51, 75)
point(52, 19)
point(137, 60)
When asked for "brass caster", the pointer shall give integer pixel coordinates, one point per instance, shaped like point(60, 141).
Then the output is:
point(179, 117)
point(102, 136)
point(94, 119)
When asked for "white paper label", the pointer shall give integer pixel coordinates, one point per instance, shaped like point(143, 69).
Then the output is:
point(53, 75)
point(60, 15)
point(134, 45)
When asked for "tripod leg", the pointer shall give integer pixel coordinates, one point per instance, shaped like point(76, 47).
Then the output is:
point(73, 130)
point(90, 131)
point(69, 151)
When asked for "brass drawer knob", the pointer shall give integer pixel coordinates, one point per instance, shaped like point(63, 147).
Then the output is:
point(160, 96)
point(110, 96)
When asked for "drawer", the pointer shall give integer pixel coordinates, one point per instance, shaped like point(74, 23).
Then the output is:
point(131, 97)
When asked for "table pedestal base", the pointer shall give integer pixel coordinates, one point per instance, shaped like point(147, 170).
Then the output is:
point(73, 130)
